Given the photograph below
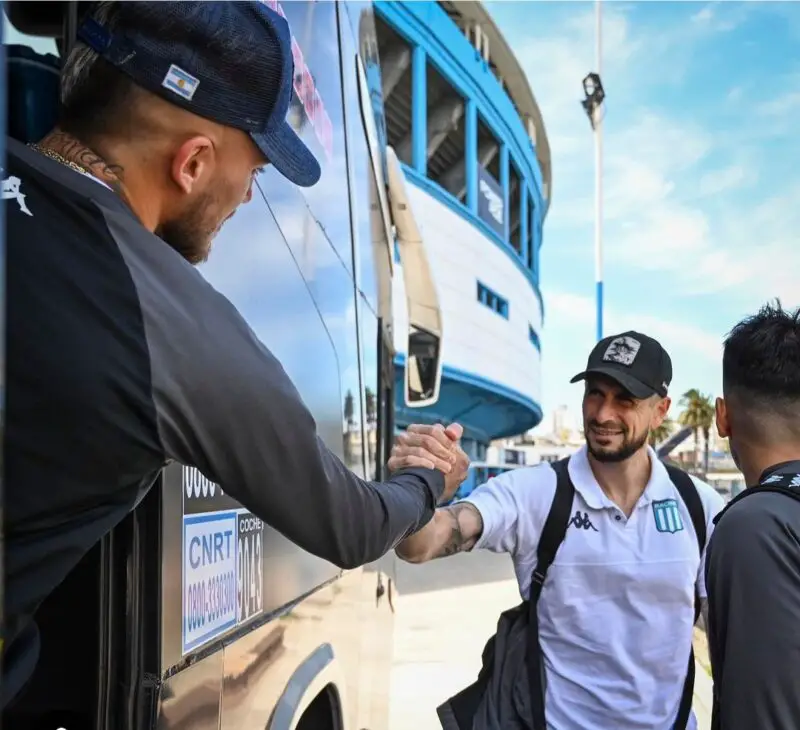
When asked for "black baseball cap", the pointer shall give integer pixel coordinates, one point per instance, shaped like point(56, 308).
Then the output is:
point(230, 62)
point(635, 361)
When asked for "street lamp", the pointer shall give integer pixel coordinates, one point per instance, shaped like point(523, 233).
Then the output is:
point(594, 95)
point(592, 103)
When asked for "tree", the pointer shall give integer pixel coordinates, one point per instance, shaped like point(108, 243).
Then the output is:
point(698, 414)
point(369, 405)
point(662, 433)
point(349, 410)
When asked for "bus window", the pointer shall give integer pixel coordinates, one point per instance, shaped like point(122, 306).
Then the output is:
point(316, 115)
point(11, 36)
point(32, 83)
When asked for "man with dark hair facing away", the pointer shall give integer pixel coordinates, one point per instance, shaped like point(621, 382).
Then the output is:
point(753, 560)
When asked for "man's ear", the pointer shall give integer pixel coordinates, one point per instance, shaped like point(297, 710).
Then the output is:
point(192, 162)
point(662, 408)
point(723, 424)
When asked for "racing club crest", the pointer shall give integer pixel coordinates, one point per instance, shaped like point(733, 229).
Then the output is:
point(667, 516)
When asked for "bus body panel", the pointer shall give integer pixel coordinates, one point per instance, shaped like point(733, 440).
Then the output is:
point(192, 698)
point(301, 268)
point(254, 632)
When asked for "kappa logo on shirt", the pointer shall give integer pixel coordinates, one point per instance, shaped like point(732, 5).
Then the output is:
point(12, 191)
point(581, 521)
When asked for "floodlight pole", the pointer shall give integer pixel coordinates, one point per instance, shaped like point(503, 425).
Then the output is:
point(597, 124)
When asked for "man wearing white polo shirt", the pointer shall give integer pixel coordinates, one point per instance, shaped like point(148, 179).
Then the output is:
point(615, 611)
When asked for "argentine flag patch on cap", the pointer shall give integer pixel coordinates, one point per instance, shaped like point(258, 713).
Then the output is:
point(180, 82)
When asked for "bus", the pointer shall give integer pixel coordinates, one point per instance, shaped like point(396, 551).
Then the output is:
point(155, 628)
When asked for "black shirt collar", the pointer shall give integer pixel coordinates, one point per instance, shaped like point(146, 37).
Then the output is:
point(791, 467)
point(786, 467)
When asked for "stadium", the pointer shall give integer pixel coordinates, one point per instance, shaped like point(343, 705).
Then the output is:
point(464, 122)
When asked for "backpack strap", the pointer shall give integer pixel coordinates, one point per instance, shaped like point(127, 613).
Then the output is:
point(553, 532)
point(688, 491)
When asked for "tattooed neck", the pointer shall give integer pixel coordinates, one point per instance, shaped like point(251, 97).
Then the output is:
point(76, 151)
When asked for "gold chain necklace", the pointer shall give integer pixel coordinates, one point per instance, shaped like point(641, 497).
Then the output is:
point(59, 158)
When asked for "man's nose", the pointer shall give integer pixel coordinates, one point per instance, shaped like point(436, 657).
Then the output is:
point(606, 412)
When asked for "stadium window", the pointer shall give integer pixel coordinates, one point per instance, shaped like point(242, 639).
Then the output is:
point(514, 208)
point(532, 230)
point(488, 150)
point(446, 135)
point(534, 338)
point(538, 241)
point(490, 192)
point(395, 54)
point(492, 300)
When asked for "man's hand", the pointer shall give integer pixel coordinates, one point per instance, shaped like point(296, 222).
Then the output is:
point(433, 447)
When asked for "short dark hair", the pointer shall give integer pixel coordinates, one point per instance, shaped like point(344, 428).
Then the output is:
point(761, 364)
point(96, 98)
point(99, 105)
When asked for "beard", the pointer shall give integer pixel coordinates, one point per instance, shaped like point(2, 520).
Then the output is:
point(615, 454)
point(191, 233)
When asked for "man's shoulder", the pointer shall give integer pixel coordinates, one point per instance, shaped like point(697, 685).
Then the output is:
point(529, 484)
point(536, 477)
point(760, 525)
point(29, 174)
point(758, 508)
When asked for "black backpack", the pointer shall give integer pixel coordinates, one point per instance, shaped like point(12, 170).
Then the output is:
point(463, 706)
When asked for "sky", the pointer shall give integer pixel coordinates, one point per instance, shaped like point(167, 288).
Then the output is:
point(701, 174)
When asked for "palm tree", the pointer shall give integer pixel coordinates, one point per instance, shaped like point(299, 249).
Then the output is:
point(661, 433)
point(698, 414)
point(349, 410)
point(369, 405)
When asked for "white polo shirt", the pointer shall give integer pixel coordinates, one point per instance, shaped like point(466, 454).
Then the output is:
point(617, 609)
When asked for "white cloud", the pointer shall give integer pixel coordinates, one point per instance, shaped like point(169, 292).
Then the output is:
point(735, 94)
point(674, 336)
point(727, 178)
point(786, 103)
point(719, 17)
point(704, 16)
point(696, 352)
point(667, 178)
point(676, 217)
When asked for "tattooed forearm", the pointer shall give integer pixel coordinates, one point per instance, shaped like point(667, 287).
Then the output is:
point(452, 530)
point(465, 525)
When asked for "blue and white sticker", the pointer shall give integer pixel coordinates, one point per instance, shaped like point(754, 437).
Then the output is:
point(210, 590)
point(181, 82)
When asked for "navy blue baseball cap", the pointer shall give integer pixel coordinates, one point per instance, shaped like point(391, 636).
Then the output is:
point(230, 62)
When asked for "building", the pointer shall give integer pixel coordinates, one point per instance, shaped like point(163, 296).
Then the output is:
point(466, 127)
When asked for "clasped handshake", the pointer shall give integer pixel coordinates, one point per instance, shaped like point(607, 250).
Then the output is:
point(433, 447)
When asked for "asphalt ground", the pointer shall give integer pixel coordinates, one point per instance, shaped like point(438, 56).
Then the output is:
point(445, 612)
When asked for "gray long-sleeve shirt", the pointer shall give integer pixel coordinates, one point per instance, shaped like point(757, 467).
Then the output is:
point(121, 358)
point(753, 580)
